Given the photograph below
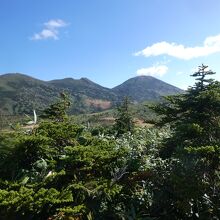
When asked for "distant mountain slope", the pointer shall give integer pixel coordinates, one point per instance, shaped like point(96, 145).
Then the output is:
point(145, 88)
point(87, 96)
point(85, 87)
point(21, 94)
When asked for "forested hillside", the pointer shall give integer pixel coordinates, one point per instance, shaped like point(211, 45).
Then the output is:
point(56, 169)
point(145, 88)
point(22, 94)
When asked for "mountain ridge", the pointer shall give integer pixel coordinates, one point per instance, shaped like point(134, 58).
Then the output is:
point(22, 93)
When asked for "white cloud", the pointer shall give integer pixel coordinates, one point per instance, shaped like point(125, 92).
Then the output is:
point(46, 33)
point(210, 46)
point(51, 24)
point(153, 71)
point(50, 31)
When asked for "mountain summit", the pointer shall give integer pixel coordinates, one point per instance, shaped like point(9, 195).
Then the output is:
point(145, 88)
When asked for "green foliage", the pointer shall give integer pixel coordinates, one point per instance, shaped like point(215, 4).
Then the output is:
point(61, 170)
point(192, 188)
point(58, 110)
point(193, 116)
point(124, 121)
point(201, 74)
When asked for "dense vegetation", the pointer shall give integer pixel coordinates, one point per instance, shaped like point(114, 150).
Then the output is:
point(62, 170)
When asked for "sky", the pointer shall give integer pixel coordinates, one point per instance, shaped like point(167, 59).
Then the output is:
point(110, 41)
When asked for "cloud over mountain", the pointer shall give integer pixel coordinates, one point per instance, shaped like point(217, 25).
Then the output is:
point(152, 71)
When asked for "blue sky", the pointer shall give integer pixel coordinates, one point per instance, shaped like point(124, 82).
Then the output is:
point(109, 41)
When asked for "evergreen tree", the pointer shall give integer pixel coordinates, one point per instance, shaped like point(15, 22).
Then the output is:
point(201, 74)
point(124, 121)
point(58, 110)
point(194, 116)
point(191, 190)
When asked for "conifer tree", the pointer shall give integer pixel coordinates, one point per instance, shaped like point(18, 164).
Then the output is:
point(58, 110)
point(124, 121)
point(194, 115)
point(201, 74)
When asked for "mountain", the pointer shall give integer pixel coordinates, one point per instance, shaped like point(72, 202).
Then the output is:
point(87, 96)
point(21, 93)
point(85, 87)
point(142, 88)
